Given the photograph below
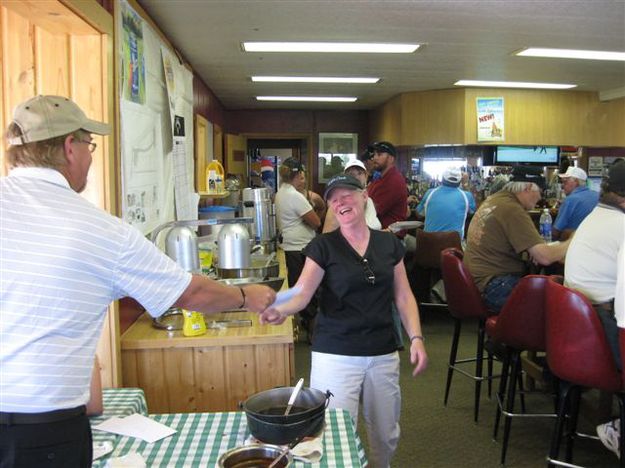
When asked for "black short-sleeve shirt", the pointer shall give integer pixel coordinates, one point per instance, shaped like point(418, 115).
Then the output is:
point(355, 316)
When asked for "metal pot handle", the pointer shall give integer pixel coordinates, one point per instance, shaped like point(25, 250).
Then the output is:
point(328, 395)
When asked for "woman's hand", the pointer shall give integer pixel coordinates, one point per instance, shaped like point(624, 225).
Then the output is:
point(272, 316)
point(418, 356)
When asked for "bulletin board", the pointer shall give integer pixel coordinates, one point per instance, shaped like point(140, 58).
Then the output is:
point(156, 121)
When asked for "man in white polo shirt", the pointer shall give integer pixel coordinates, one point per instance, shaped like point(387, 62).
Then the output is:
point(63, 262)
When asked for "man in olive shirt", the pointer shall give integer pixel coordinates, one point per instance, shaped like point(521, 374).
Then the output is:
point(502, 238)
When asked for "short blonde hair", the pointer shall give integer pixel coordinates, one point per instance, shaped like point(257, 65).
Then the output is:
point(46, 153)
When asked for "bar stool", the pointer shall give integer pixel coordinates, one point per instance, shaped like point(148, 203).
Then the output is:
point(579, 355)
point(427, 261)
point(520, 326)
point(464, 302)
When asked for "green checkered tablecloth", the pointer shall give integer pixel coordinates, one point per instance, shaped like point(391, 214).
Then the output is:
point(118, 402)
point(201, 438)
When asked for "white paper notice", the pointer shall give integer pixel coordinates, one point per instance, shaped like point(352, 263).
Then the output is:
point(136, 425)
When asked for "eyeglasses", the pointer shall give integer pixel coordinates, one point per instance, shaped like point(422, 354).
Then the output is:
point(92, 145)
point(368, 272)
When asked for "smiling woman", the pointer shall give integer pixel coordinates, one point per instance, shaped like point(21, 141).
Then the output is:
point(361, 273)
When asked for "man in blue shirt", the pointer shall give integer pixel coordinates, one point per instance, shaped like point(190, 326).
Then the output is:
point(446, 207)
point(579, 202)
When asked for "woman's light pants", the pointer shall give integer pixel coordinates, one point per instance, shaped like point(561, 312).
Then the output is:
point(376, 380)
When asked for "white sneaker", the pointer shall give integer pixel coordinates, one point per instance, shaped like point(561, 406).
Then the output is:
point(609, 434)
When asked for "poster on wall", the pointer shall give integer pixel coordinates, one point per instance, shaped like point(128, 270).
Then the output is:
point(595, 166)
point(490, 119)
point(132, 57)
point(142, 168)
point(186, 200)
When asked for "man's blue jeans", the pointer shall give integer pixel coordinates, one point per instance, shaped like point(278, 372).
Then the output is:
point(497, 291)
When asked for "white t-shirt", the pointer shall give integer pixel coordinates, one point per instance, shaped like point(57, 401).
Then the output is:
point(371, 216)
point(291, 205)
point(591, 260)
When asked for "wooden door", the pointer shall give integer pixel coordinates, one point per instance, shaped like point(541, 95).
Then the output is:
point(65, 48)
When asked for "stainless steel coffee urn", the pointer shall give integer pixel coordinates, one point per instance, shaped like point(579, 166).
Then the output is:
point(181, 246)
point(257, 203)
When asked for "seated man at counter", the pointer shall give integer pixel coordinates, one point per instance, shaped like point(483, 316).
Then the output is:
point(502, 238)
point(578, 204)
point(591, 261)
point(63, 262)
point(447, 207)
point(610, 432)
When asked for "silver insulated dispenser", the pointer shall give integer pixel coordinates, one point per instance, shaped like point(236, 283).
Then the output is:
point(181, 246)
point(234, 246)
point(257, 203)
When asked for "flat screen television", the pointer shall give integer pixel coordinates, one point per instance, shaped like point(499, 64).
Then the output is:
point(539, 155)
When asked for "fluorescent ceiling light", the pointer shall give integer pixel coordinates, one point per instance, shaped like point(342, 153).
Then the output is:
point(572, 53)
point(374, 48)
point(313, 79)
point(513, 84)
point(306, 98)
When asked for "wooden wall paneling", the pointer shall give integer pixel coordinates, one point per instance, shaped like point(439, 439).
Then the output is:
point(51, 62)
point(179, 375)
point(18, 70)
point(385, 123)
point(432, 117)
point(234, 143)
point(273, 363)
point(608, 118)
point(51, 15)
point(201, 152)
point(152, 379)
point(218, 143)
point(210, 375)
point(86, 91)
point(129, 365)
point(240, 362)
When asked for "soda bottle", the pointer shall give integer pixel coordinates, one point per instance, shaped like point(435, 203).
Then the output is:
point(545, 225)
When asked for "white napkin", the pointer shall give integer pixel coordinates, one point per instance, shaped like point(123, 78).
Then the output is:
point(136, 425)
point(130, 460)
point(309, 450)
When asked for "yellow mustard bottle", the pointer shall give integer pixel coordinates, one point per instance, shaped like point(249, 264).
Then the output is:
point(194, 324)
point(215, 177)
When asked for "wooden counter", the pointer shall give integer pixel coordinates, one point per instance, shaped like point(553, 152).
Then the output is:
point(212, 372)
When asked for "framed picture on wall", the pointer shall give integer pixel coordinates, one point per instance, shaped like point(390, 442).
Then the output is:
point(335, 149)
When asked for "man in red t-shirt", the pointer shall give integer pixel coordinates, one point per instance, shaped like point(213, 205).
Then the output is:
point(389, 193)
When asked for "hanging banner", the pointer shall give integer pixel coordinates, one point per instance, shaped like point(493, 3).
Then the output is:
point(490, 119)
point(132, 59)
point(186, 201)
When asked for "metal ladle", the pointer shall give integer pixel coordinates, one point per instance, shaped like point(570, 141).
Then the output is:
point(296, 390)
point(286, 449)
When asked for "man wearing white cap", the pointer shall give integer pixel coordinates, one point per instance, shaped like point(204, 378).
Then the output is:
point(578, 204)
point(446, 207)
point(63, 262)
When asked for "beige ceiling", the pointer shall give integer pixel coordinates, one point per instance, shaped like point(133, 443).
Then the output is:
point(463, 40)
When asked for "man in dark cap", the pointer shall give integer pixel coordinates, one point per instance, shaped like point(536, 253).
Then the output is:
point(502, 237)
point(389, 192)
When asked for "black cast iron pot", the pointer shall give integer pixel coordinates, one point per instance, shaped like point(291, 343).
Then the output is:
point(265, 414)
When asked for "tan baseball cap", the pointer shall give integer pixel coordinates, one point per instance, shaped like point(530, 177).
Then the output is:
point(44, 117)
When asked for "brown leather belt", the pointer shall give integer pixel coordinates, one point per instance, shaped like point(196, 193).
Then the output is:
point(8, 419)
